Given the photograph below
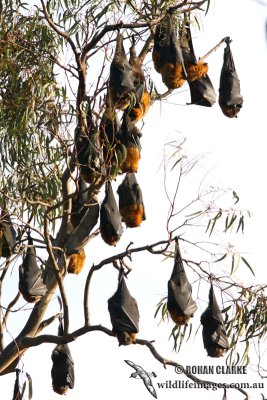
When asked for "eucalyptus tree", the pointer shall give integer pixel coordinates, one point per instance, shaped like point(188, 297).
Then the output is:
point(56, 97)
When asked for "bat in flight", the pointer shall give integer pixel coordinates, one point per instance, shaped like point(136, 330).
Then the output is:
point(180, 304)
point(31, 284)
point(214, 334)
point(131, 203)
point(124, 314)
point(110, 219)
point(230, 99)
point(62, 371)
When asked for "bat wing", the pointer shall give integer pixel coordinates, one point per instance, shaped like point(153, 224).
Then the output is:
point(63, 367)
point(129, 191)
point(78, 209)
point(213, 333)
point(180, 298)
point(131, 203)
point(213, 324)
point(171, 51)
point(123, 310)
point(30, 276)
point(110, 218)
point(88, 154)
point(7, 235)
point(159, 36)
point(179, 289)
point(129, 134)
point(219, 337)
point(202, 92)
point(229, 90)
point(109, 127)
point(121, 76)
point(214, 308)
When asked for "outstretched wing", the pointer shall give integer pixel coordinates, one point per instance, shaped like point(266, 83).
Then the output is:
point(135, 366)
point(150, 387)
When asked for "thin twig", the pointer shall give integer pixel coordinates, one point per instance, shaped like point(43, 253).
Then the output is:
point(214, 48)
point(110, 260)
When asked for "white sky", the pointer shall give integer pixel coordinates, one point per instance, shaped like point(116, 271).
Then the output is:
point(235, 156)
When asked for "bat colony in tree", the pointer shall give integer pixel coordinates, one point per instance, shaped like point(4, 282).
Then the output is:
point(115, 144)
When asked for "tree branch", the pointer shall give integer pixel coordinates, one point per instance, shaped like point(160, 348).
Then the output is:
point(57, 274)
point(214, 49)
point(111, 260)
point(32, 342)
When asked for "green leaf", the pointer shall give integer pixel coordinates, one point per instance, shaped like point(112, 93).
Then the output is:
point(221, 258)
point(248, 265)
point(194, 214)
point(207, 9)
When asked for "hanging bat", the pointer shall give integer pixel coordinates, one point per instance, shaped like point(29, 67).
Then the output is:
point(142, 103)
point(79, 200)
point(131, 203)
point(62, 371)
point(214, 335)
point(7, 235)
point(89, 154)
point(202, 92)
point(109, 127)
point(230, 99)
point(194, 69)
point(121, 82)
point(129, 136)
point(170, 58)
point(110, 218)
point(31, 284)
point(180, 304)
point(76, 261)
point(124, 314)
point(159, 35)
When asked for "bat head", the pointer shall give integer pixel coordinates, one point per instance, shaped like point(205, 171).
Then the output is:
point(60, 389)
point(178, 318)
point(215, 351)
point(125, 338)
point(230, 111)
